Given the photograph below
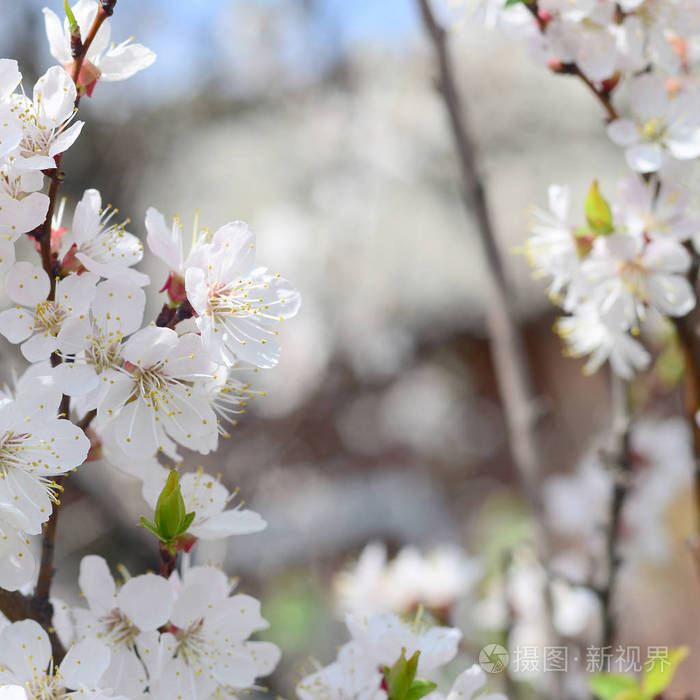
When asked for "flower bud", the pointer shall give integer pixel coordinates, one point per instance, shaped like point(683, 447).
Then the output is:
point(171, 520)
point(400, 680)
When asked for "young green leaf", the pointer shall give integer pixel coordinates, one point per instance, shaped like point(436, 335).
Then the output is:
point(598, 212)
point(72, 22)
point(660, 670)
point(612, 686)
point(419, 689)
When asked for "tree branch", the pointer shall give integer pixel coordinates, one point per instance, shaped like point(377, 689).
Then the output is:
point(512, 373)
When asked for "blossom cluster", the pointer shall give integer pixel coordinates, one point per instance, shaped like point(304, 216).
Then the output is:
point(626, 268)
point(105, 382)
point(376, 643)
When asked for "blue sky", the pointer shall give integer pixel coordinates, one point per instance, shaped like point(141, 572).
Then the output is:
point(176, 29)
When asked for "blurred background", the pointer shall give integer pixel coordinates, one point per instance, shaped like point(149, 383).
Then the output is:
point(317, 122)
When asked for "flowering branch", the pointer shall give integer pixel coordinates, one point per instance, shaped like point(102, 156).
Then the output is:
point(569, 68)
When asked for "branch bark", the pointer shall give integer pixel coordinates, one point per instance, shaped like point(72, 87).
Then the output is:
point(509, 357)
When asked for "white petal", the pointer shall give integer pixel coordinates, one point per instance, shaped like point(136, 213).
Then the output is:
point(623, 132)
point(25, 648)
point(18, 563)
point(27, 284)
point(123, 61)
point(467, 683)
point(16, 324)
point(230, 522)
point(97, 585)
point(84, 664)
point(161, 240)
point(39, 347)
point(147, 601)
point(86, 219)
point(66, 138)
point(55, 94)
point(58, 45)
point(644, 157)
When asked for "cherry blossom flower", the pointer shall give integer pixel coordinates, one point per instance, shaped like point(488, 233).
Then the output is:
point(587, 332)
point(35, 446)
point(120, 617)
point(22, 207)
point(207, 637)
point(657, 210)
point(104, 61)
point(629, 274)
point(383, 636)
point(435, 580)
point(466, 686)
point(46, 120)
point(95, 339)
point(353, 676)
point(158, 396)
point(662, 126)
point(582, 32)
point(238, 304)
point(25, 659)
point(36, 322)
point(101, 247)
point(552, 249)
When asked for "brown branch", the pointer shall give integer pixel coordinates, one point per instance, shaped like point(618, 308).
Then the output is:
point(513, 376)
point(621, 467)
point(602, 94)
point(57, 177)
point(84, 424)
point(167, 561)
point(17, 606)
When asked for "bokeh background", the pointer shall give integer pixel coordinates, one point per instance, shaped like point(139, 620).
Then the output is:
point(317, 122)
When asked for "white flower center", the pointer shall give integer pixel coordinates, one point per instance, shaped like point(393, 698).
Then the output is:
point(18, 451)
point(117, 629)
point(48, 317)
point(191, 645)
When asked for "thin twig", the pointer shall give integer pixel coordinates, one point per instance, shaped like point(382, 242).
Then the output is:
point(512, 374)
point(621, 467)
point(57, 176)
point(167, 561)
point(602, 94)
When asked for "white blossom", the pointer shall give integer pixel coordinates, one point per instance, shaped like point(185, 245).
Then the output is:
point(238, 304)
point(46, 120)
point(104, 248)
point(36, 321)
point(25, 659)
point(104, 60)
point(157, 398)
point(662, 126)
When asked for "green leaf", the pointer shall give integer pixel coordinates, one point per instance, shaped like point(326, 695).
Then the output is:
point(598, 212)
point(187, 522)
point(660, 670)
point(399, 678)
point(510, 3)
point(72, 23)
point(149, 526)
point(419, 689)
point(615, 686)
